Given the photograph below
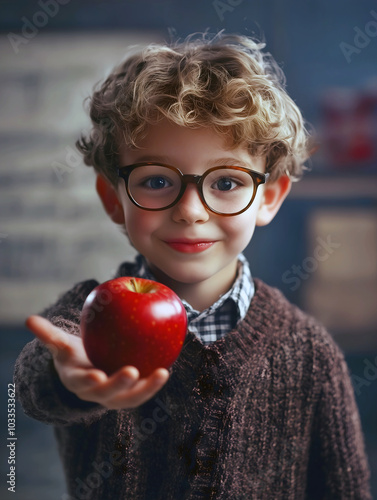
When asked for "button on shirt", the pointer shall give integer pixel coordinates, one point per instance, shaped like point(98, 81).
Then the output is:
point(220, 318)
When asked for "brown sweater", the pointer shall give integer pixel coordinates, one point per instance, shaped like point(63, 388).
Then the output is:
point(265, 413)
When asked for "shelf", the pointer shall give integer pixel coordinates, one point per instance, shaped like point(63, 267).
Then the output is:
point(335, 186)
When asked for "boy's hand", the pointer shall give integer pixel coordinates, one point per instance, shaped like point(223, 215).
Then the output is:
point(123, 389)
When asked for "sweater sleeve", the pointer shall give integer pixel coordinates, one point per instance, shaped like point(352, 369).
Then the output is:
point(338, 467)
point(38, 387)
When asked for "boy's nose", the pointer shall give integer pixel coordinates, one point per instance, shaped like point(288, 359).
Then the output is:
point(190, 207)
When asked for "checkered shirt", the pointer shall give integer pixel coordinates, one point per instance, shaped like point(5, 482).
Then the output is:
point(220, 318)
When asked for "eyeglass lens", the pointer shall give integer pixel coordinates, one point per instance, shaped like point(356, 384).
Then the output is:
point(225, 190)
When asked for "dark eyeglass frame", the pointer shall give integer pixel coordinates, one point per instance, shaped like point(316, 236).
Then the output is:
point(198, 180)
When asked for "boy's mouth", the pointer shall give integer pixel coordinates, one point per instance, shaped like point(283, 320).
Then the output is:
point(189, 246)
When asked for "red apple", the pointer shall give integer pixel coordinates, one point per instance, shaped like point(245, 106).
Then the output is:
point(133, 321)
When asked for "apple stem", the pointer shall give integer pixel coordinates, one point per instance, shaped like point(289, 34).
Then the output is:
point(135, 285)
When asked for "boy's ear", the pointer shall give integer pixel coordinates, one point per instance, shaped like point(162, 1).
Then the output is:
point(110, 200)
point(273, 196)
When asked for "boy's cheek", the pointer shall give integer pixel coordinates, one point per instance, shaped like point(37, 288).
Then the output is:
point(141, 224)
point(243, 223)
point(240, 229)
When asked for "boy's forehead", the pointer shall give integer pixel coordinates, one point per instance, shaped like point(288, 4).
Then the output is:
point(167, 142)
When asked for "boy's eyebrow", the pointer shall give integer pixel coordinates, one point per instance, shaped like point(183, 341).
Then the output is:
point(228, 161)
point(218, 162)
point(156, 158)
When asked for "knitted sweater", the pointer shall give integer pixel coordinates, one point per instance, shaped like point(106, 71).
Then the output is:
point(265, 413)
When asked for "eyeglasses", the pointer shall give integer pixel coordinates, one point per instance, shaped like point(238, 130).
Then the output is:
point(222, 190)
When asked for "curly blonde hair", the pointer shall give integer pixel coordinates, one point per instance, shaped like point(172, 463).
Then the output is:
point(225, 82)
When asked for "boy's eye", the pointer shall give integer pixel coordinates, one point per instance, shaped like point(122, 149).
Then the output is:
point(225, 184)
point(157, 182)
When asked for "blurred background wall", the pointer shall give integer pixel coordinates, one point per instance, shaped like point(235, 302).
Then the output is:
point(321, 248)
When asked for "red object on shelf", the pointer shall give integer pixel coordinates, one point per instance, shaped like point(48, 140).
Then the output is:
point(349, 132)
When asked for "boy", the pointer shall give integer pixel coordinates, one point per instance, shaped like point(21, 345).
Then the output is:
point(194, 145)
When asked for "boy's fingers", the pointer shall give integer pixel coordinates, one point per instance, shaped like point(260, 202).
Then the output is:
point(160, 376)
point(54, 339)
point(124, 389)
point(109, 387)
point(124, 377)
point(143, 390)
point(82, 381)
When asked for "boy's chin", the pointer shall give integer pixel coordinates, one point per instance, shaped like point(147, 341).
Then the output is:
point(184, 276)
